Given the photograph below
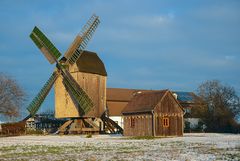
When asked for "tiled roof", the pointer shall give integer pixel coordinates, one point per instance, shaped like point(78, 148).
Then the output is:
point(144, 102)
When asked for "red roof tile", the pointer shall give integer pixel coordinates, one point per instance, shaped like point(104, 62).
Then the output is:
point(144, 102)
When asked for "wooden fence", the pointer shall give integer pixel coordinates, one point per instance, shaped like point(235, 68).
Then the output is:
point(13, 129)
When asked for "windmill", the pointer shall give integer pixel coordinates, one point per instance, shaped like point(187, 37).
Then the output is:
point(83, 103)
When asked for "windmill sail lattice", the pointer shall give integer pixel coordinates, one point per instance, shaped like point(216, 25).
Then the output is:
point(81, 41)
point(38, 100)
point(45, 45)
point(77, 92)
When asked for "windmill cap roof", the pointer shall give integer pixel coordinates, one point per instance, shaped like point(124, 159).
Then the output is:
point(89, 62)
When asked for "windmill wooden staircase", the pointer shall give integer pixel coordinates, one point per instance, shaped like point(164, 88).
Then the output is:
point(110, 126)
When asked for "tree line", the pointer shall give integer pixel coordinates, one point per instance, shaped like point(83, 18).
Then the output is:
point(219, 108)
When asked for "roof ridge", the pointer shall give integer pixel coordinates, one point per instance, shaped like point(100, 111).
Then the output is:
point(145, 101)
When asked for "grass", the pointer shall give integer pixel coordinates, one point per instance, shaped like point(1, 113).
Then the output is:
point(34, 132)
point(44, 152)
point(148, 137)
point(142, 137)
point(8, 148)
point(89, 136)
point(139, 148)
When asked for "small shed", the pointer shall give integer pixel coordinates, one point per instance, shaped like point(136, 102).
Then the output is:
point(155, 113)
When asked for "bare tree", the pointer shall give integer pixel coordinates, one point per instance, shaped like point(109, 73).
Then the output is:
point(11, 96)
point(221, 106)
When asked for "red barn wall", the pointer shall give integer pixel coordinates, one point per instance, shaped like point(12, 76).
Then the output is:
point(168, 108)
point(142, 127)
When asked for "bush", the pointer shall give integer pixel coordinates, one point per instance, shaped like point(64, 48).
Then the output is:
point(34, 132)
point(143, 137)
point(89, 136)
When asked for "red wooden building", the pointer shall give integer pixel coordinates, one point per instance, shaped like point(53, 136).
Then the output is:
point(155, 113)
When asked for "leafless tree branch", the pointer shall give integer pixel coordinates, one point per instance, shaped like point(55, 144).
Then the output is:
point(11, 96)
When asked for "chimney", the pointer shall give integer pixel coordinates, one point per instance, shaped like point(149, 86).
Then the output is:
point(175, 95)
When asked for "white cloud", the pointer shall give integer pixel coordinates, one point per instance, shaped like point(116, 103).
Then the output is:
point(221, 12)
point(149, 20)
point(216, 62)
point(230, 57)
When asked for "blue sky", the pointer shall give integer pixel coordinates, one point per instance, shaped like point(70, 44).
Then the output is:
point(151, 44)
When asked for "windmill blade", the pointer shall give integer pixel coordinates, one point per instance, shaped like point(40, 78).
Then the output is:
point(38, 100)
point(45, 45)
point(82, 39)
point(83, 100)
point(73, 47)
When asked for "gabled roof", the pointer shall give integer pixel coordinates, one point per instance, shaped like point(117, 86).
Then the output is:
point(117, 99)
point(89, 62)
point(144, 102)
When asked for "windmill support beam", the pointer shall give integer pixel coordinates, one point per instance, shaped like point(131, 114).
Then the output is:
point(90, 126)
point(79, 126)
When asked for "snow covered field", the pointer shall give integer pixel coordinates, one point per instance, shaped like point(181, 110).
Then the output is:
point(113, 147)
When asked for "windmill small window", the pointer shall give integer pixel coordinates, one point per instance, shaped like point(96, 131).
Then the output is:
point(132, 122)
point(165, 122)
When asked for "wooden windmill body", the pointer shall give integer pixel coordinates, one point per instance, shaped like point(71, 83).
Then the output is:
point(89, 72)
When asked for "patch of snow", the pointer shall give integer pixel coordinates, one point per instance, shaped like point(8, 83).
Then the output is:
point(197, 146)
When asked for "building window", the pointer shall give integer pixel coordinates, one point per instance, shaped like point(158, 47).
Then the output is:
point(165, 122)
point(132, 122)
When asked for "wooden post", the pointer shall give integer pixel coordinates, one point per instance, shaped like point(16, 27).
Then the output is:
point(153, 123)
point(182, 125)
